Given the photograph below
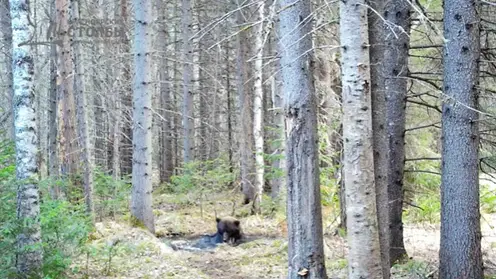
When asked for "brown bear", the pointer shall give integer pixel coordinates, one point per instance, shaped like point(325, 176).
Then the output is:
point(229, 229)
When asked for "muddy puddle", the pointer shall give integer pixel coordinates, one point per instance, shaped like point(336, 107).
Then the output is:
point(203, 243)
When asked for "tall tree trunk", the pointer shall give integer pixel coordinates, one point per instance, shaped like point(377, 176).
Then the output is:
point(205, 95)
point(6, 26)
point(141, 196)
point(245, 112)
point(29, 253)
point(175, 88)
point(82, 117)
point(258, 109)
point(230, 111)
point(126, 146)
point(364, 258)
point(395, 65)
point(277, 183)
point(460, 254)
point(279, 162)
point(188, 123)
point(378, 74)
point(305, 250)
point(215, 116)
point(166, 161)
point(66, 94)
point(53, 144)
point(117, 128)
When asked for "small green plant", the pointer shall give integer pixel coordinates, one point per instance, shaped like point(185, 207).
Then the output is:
point(201, 177)
point(111, 197)
point(64, 227)
point(416, 268)
point(487, 199)
point(339, 264)
point(422, 192)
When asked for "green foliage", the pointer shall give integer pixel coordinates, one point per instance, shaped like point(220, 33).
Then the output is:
point(272, 208)
point(64, 227)
point(274, 143)
point(338, 264)
point(329, 185)
point(487, 199)
point(419, 269)
point(422, 191)
point(207, 176)
point(8, 224)
point(111, 197)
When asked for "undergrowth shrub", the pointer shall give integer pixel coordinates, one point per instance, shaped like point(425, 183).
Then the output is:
point(111, 196)
point(201, 177)
point(422, 192)
point(64, 227)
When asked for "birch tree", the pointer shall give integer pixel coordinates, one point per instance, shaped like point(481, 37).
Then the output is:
point(258, 109)
point(141, 196)
point(460, 253)
point(29, 250)
point(364, 259)
point(304, 215)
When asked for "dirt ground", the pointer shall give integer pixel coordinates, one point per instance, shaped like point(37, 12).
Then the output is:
point(119, 251)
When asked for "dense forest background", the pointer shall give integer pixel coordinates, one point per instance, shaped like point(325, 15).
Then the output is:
point(127, 126)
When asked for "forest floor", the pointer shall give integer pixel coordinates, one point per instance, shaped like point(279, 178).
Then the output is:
point(117, 250)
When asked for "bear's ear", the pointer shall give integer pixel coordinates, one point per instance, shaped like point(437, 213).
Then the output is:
point(217, 220)
point(236, 223)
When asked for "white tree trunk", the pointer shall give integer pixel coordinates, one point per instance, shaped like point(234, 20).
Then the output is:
point(364, 259)
point(29, 253)
point(258, 110)
point(141, 197)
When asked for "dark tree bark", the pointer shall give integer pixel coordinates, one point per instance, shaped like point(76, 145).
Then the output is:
point(68, 147)
point(460, 254)
point(6, 29)
point(187, 59)
point(246, 141)
point(377, 35)
point(84, 140)
point(305, 251)
point(395, 65)
point(230, 110)
point(166, 165)
point(126, 101)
